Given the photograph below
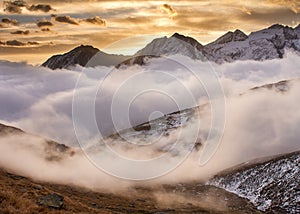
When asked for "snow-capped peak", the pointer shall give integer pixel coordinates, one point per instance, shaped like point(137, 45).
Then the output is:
point(176, 44)
point(237, 35)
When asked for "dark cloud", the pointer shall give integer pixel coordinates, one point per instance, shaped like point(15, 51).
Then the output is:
point(14, 6)
point(33, 43)
point(66, 19)
point(40, 7)
point(5, 22)
point(18, 43)
point(13, 9)
point(95, 20)
point(44, 23)
point(169, 9)
point(45, 29)
point(14, 43)
point(21, 32)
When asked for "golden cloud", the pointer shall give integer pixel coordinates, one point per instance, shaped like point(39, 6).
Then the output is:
point(66, 19)
point(169, 9)
point(95, 20)
point(294, 5)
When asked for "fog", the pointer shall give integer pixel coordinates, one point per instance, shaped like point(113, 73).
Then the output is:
point(259, 123)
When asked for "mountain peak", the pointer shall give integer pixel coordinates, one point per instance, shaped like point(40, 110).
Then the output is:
point(230, 36)
point(188, 39)
point(86, 48)
point(79, 55)
point(276, 26)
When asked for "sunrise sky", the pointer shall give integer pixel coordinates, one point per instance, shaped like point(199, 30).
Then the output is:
point(46, 27)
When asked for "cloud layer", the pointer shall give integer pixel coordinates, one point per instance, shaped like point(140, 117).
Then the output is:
point(39, 101)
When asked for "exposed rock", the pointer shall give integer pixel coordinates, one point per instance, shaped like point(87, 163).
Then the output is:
point(51, 200)
point(189, 40)
point(80, 55)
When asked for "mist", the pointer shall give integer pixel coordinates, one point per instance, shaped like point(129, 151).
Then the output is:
point(259, 123)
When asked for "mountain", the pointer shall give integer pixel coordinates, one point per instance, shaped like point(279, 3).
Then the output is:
point(83, 55)
point(53, 151)
point(176, 44)
point(268, 43)
point(79, 55)
point(272, 185)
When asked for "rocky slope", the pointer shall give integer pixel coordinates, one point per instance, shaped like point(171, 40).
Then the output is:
point(79, 55)
point(271, 185)
point(83, 55)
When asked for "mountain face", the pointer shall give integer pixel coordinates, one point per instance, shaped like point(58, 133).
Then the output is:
point(272, 185)
point(265, 44)
point(84, 56)
point(176, 44)
point(269, 43)
point(79, 55)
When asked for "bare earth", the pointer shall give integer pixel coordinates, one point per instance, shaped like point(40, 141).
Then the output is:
point(20, 195)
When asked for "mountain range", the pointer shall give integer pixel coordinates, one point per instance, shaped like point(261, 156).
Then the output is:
point(268, 43)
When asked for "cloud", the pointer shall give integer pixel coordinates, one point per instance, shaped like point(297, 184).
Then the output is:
point(95, 20)
point(14, 43)
point(256, 125)
point(294, 5)
point(246, 10)
point(66, 19)
point(18, 43)
point(6, 22)
point(169, 9)
point(20, 32)
point(44, 23)
point(14, 6)
point(281, 15)
point(45, 29)
point(13, 9)
point(40, 7)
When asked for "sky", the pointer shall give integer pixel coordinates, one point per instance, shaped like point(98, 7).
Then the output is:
point(34, 30)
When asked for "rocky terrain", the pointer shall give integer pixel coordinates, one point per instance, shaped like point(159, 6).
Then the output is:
point(22, 195)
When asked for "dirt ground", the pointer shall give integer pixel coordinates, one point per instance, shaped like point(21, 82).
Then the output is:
point(20, 195)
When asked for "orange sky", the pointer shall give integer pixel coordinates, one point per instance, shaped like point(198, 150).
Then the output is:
point(65, 24)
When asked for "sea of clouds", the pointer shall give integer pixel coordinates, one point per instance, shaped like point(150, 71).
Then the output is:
point(40, 101)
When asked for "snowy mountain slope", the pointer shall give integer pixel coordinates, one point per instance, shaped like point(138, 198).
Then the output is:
point(272, 185)
point(269, 43)
point(176, 44)
point(265, 44)
point(156, 130)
